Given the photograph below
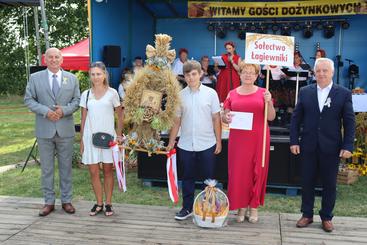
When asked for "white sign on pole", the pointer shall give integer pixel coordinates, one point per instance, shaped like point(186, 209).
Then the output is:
point(269, 49)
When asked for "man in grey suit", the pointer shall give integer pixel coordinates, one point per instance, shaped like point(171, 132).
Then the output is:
point(53, 95)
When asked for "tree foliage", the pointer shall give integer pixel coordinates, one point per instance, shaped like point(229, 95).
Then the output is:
point(67, 22)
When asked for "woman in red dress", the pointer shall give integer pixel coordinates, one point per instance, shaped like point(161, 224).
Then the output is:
point(228, 77)
point(246, 176)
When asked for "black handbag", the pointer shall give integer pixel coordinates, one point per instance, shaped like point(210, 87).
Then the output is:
point(100, 139)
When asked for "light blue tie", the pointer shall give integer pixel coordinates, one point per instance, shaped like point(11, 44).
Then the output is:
point(55, 85)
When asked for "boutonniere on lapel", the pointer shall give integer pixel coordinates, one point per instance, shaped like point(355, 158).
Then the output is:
point(65, 80)
point(328, 102)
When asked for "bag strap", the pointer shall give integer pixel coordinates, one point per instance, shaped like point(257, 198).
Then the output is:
point(86, 100)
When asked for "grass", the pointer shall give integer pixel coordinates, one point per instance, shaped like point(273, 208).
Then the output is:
point(17, 130)
point(16, 134)
point(16, 139)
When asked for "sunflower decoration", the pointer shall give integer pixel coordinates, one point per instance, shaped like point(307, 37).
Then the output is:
point(152, 99)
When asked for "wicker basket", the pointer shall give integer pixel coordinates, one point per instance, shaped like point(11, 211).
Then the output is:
point(211, 207)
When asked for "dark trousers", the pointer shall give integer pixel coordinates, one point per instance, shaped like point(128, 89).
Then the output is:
point(325, 166)
point(197, 165)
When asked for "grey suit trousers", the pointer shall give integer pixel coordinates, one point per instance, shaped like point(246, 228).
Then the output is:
point(63, 147)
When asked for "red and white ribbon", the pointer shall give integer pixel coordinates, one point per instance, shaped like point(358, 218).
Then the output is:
point(172, 175)
point(119, 162)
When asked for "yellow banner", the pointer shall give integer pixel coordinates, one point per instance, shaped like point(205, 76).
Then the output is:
point(201, 9)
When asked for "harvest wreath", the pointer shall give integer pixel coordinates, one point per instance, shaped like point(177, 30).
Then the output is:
point(152, 99)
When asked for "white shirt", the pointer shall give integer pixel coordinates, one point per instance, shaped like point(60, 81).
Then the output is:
point(58, 77)
point(322, 94)
point(276, 72)
point(196, 112)
point(206, 80)
point(121, 91)
point(177, 67)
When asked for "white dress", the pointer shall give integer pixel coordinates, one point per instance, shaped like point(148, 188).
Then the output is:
point(100, 118)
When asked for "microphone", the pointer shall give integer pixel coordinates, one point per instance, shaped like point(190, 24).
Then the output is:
point(229, 57)
point(313, 58)
point(349, 60)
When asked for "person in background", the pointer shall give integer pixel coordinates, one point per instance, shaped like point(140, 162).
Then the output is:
point(298, 64)
point(228, 77)
point(138, 64)
point(200, 138)
point(99, 105)
point(290, 83)
point(320, 53)
point(322, 110)
point(246, 176)
point(126, 79)
point(177, 66)
point(276, 75)
point(53, 95)
point(208, 78)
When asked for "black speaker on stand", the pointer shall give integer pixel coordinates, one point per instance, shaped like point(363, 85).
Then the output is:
point(111, 57)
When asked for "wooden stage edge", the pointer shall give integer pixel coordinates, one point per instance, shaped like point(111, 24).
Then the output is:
point(141, 224)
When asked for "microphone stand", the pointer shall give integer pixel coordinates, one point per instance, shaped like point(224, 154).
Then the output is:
point(230, 71)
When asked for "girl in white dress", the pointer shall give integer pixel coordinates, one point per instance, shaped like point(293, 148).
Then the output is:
point(98, 115)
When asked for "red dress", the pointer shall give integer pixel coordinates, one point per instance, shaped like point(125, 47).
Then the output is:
point(246, 177)
point(228, 78)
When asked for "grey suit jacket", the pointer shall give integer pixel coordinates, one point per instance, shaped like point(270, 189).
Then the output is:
point(40, 99)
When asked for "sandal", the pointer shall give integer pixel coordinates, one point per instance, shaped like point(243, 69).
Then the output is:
point(253, 216)
point(96, 210)
point(108, 211)
point(241, 215)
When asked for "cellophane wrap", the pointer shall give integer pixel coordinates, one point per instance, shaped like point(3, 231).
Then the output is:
point(211, 206)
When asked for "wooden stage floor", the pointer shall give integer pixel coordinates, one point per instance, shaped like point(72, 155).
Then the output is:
point(139, 224)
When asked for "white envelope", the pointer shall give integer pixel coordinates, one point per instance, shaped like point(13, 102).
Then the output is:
point(241, 120)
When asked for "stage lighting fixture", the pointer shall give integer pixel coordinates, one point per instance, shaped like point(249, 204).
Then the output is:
point(242, 35)
point(285, 30)
point(329, 30)
point(344, 24)
point(242, 31)
point(263, 28)
point(221, 31)
point(252, 27)
point(211, 27)
point(307, 31)
point(232, 26)
point(297, 27)
point(274, 28)
point(319, 26)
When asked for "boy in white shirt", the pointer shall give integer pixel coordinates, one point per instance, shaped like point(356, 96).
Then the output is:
point(200, 138)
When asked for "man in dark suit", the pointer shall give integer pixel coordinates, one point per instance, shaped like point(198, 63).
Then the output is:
point(322, 109)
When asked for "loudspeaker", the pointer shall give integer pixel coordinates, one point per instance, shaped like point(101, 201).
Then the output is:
point(112, 56)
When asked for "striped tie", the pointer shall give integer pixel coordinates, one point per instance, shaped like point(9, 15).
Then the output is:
point(55, 85)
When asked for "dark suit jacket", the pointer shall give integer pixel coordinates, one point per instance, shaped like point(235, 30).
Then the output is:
point(323, 129)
